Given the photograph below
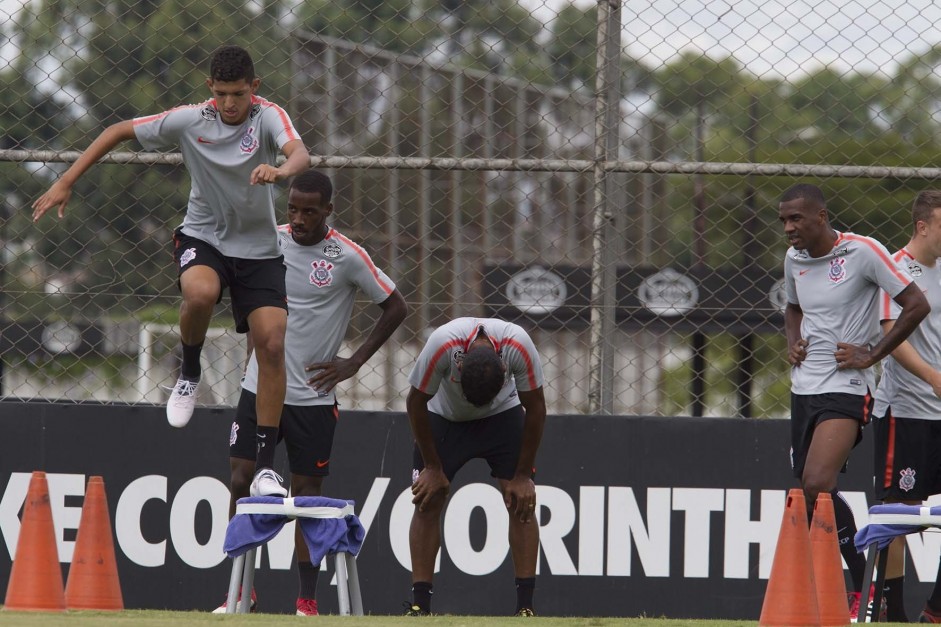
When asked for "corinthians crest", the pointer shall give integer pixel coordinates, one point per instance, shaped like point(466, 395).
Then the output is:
point(906, 479)
point(321, 275)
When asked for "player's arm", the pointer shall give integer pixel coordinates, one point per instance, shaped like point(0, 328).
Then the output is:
point(431, 482)
point(298, 160)
point(330, 373)
point(906, 355)
point(796, 345)
point(59, 192)
point(914, 309)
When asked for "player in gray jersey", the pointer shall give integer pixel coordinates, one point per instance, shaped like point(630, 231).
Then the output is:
point(325, 272)
point(476, 392)
point(228, 237)
point(908, 401)
point(833, 283)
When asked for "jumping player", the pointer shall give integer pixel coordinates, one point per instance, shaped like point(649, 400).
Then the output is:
point(228, 238)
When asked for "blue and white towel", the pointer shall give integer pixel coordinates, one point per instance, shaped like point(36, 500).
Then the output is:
point(324, 536)
point(884, 533)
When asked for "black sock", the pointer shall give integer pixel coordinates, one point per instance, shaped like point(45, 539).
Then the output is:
point(895, 600)
point(307, 575)
point(846, 531)
point(266, 439)
point(191, 368)
point(525, 587)
point(421, 595)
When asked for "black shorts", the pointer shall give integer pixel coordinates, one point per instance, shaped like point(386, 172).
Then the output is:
point(307, 431)
point(252, 283)
point(809, 410)
point(496, 439)
point(907, 458)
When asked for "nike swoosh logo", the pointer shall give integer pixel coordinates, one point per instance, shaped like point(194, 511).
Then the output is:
point(203, 140)
point(321, 464)
point(261, 436)
point(803, 272)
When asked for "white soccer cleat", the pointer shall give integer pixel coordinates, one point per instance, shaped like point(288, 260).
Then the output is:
point(182, 402)
point(267, 483)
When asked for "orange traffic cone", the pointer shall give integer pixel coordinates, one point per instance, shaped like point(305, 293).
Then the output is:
point(93, 578)
point(828, 565)
point(36, 576)
point(791, 596)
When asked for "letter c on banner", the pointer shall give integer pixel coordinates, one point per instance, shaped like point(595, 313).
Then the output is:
point(457, 529)
point(127, 519)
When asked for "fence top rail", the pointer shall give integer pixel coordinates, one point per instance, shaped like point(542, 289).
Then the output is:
point(520, 165)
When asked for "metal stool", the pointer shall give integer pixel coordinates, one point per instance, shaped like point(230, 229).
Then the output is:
point(243, 565)
point(887, 522)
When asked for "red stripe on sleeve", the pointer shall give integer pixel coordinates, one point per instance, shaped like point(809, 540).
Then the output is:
point(364, 256)
point(527, 358)
point(885, 259)
point(434, 362)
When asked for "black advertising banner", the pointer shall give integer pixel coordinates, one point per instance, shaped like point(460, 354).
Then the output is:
point(673, 517)
point(724, 299)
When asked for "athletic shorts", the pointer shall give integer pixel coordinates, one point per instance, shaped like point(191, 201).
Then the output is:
point(496, 439)
point(907, 458)
point(252, 283)
point(809, 410)
point(307, 431)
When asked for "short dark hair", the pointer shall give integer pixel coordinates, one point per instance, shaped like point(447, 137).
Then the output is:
point(312, 182)
point(925, 203)
point(481, 376)
point(230, 64)
point(805, 191)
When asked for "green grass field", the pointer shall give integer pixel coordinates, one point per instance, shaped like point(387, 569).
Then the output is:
point(154, 618)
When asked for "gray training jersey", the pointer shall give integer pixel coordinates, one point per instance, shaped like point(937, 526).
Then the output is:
point(437, 370)
point(908, 395)
point(839, 295)
point(322, 281)
point(224, 210)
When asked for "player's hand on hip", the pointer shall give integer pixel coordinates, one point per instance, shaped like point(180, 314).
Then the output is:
point(330, 373)
point(797, 352)
point(431, 484)
point(852, 357)
point(56, 196)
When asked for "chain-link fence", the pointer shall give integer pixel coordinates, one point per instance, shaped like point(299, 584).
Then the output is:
point(605, 174)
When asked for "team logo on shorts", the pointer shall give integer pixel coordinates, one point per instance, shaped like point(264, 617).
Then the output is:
point(332, 250)
point(249, 143)
point(188, 255)
point(907, 479)
point(837, 270)
point(415, 473)
point(915, 270)
point(234, 434)
point(321, 276)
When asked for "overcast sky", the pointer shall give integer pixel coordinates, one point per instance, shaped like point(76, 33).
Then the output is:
point(768, 37)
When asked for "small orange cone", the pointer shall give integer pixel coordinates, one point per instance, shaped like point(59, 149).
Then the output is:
point(93, 577)
point(791, 596)
point(36, 576)
point(828, 565)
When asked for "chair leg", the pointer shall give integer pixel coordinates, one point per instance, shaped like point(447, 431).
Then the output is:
point(879, 585)
point(248, 580)
point(356, 595)
point(343, 591)
point(231, 599)
point(873, 552)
